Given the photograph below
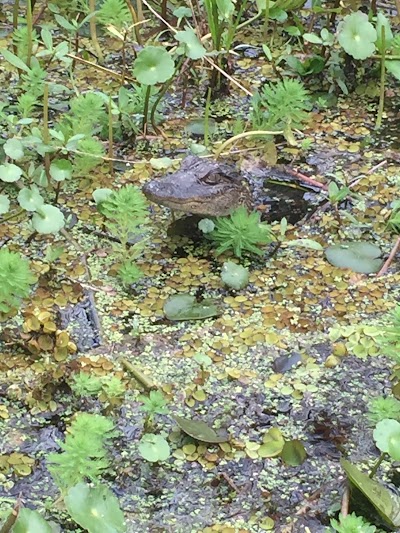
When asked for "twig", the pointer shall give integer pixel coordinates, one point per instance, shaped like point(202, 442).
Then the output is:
point(137, 374)
point(388, 261)
point(100, 67)
point(345, 502)
point(11, 519)
point(306, 179)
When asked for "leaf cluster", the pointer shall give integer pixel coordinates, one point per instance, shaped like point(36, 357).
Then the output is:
point(85, 384)
point(241, 232)
point(15, 279)
point(84, 455)
point(352, 524)
point(380, 408)
point(114, 12)
point(281, 105)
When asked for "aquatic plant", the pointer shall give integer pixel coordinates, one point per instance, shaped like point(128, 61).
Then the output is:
point(241, 232)
point(380, 408)
point(352, 524)
point(15, 280)
point(280, 105)
point(84, 455)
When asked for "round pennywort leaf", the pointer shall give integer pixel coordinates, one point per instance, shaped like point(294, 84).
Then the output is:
point(61, 169)
point(357, 35)
point(10, 172)
point(387, 437)
point(154, 448)
point(4, 204)
point(30, 199)
point(48, 219)
point(14, 149)
point(193, 47)
point(153, 65)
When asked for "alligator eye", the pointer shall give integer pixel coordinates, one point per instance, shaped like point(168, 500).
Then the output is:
point(211, 179)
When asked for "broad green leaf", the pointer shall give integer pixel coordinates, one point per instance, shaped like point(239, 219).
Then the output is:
point(293, 453)
point(47, 38)
point(96, 509)
point(387, 437)
point(29, 521)
point(194, 48)
point(234, 275)
point(362, 257)
point(154, 448)
point(14, 149)
point(357, 35)
point(383, 22)
point(30, 199)
point(312, 38)
point(14, 60)
point(199, 430)
point(64, 23)
point(4, 204)
point(60, 169)
point(48, 219)
point(185, 307)
point(153, 65)
point(100, 195)
point(273, 443)
point(10, 172)
point(394, 68)
point(226, 8)
point(386, 503)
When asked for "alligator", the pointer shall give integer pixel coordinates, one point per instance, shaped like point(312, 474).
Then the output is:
point(209, 188)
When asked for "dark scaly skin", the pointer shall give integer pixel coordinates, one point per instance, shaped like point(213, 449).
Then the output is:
point(200, 187)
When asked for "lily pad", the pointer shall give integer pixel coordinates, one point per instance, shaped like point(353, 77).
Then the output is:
point(199, 430)
point(95, 509)
point(293, 453)
point(362, 257)
point(186, 307)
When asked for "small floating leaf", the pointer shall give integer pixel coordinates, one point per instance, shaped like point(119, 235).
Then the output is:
point(199, 430)
point(293, 453)
point(362, 257)
point(273, 443)
point(185, 307)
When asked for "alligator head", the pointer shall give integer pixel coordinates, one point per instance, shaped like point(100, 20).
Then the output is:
point(201, 187)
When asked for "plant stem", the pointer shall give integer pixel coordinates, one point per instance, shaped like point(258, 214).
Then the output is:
point(146, 109)
point(29, 32)
point(93, 31)
point(266, 19)
point(15, 27)
point(207, 118)
point(381, 458)
point(110, 137)
point(161, 93)
point(242, 136)
point(382, 82)
point(46, 136)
